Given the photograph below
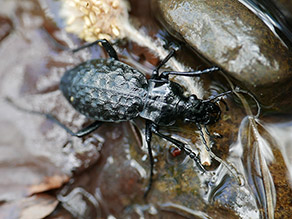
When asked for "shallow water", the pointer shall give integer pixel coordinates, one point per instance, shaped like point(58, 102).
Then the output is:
point(273, 17)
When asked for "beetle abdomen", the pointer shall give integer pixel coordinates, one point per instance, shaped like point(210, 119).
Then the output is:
point(105, 90)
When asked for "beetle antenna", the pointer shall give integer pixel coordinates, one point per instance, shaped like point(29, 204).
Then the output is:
point(217, 96)
point(237, 89)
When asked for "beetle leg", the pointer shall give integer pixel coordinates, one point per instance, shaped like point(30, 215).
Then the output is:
point(85, 131)
point(228, 165)
point(81, 133)
point(148, 136)
point(108, 47)
point(202, 136)
point(165, 74)
point(180, 145)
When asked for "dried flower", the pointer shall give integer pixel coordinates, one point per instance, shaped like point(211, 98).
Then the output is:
point(95, 19)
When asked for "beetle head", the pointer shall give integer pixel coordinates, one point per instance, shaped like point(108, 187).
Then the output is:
point(201, 111)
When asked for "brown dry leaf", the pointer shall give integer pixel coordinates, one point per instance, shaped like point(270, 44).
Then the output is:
point(24, 171)
point(34, 207)
point(32, 157)
point(48, 183)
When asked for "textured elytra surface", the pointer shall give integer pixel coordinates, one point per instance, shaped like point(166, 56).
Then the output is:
point(105, 90)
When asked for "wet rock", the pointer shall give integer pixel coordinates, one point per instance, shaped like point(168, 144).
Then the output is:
point(231, 36)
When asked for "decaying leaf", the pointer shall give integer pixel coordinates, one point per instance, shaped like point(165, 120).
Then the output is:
point(34, 207)
point(52, 182)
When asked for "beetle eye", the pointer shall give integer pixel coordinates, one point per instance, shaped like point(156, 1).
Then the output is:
point(193, 97)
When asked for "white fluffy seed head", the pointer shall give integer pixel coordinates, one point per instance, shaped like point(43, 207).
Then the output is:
point(95, 19)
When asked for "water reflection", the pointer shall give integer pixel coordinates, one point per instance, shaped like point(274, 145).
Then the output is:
point(270, 14)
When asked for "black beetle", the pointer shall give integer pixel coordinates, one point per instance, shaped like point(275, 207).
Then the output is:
point(107, 90)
